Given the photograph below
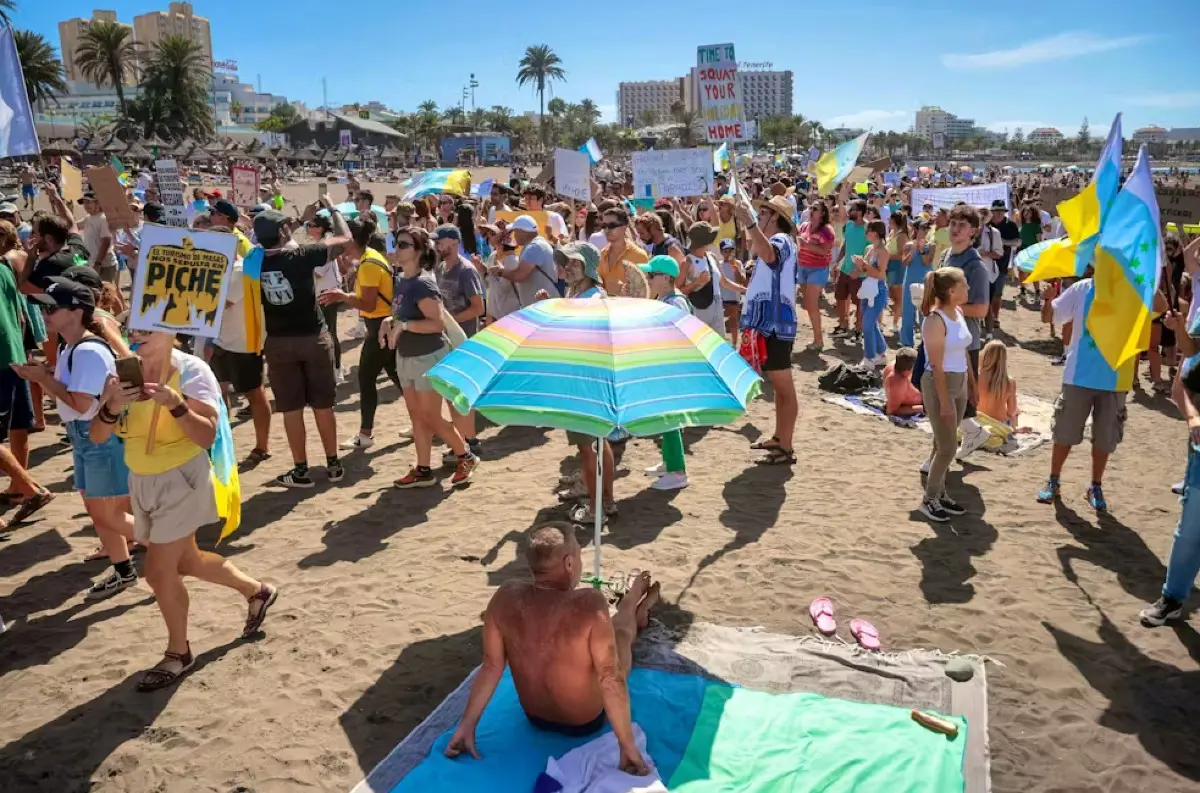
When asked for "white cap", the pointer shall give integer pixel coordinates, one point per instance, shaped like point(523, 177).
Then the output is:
point(524, 223)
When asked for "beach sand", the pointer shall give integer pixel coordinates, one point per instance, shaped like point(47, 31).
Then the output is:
point(381, 591)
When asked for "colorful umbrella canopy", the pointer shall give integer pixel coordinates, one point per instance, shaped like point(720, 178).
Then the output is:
point(1061, 248)
point(595, 366)
point(350, 212)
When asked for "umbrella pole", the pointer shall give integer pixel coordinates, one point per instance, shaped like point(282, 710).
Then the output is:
point(598, 509)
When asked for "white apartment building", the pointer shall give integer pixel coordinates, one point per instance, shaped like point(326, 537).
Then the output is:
point(255, 106)
point(634, 99)
point(932, 119)
point(1045, 135)
point(1150, 134)
point(177, 20)
point(84, 101)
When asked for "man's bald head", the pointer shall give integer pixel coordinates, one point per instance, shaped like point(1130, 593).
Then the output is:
point(548, 544)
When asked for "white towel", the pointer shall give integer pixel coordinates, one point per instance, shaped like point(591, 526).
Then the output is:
point(593, 768)
point(869, 290)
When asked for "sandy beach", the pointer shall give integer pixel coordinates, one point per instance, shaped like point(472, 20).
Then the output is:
point(381, 592)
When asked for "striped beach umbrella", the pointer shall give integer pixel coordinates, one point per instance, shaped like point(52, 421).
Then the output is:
point(598, 367)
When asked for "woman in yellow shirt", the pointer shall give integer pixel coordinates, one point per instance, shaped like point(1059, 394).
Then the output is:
point(373, 299)
point(168, 425)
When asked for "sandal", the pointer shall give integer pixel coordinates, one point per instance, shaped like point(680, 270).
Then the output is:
point(777, 455)
point(582, 514)
point(865, 634)
point(769, 443)
point(253, 459)
point(31, 505)
point(821, 612)
point(254, 619)
point(162, 676)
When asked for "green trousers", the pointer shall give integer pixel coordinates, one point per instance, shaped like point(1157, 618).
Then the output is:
point(672, 452)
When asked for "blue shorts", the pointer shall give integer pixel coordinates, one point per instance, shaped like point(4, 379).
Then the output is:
point(29, 190)
point(100, 470)
point(812, 276)
point(895, 274)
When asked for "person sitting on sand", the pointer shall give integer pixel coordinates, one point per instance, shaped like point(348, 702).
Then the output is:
point(569, 658)
point(903, 398)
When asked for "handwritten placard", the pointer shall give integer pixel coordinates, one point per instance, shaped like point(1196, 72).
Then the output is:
point(720, 92)
point(673, 173)
point(170, 193)
point(111, 195)
point(72, 182)
point(976, 195)
point(572, 174)
point(1178, 204)
point(244, 180)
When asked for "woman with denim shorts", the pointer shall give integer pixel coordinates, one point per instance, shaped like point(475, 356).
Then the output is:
point(78, 379)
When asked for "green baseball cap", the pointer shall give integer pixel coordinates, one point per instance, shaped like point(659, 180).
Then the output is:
point(661, 264)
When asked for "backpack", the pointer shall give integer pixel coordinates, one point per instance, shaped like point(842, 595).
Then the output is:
point(850, 379)
point(703, 297)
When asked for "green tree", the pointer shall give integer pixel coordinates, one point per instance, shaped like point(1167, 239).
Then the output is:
point(589, 110)
point(557, 108)
point(1083, 141)
point(648, 117)
point(108, 55)
point(500, 118)
point(95, 128)
point(540, 67)
point(44, 75)
point(454, 115)
point(281, 117)
point(6, 8)
point(177, 76)
point(427, 107)
point(146, 116)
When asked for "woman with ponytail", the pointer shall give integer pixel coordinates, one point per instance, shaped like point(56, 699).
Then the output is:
point(83, 367)
point(373, 299)
point(947, 382)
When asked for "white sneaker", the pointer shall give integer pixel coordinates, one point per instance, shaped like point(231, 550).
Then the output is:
point(973, 438)
point(925, 465)
point(406, 432)
point(656, 470)
point(359, 442)
point(671, 481)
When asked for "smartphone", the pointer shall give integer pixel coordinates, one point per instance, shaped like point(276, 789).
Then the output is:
point(322, 189)
point(129, 370)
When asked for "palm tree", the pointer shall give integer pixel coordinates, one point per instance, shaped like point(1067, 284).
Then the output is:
point(177, 73)
point(589, 110)
point(649, 117)
point(94, 128)
point(454, 115)
point(5, 7)
point(500, 118)
point(557, 107)
point(689, 126)
point(427, 107)
point(479, 118)
point(44, 75)
point(107, 55)
point(540, 66)
point(146, 116)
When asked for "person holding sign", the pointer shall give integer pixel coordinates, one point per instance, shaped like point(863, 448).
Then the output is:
point(76, 382)
point(165, 405)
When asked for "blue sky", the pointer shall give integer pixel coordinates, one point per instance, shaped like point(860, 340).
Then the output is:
point(1004, 64)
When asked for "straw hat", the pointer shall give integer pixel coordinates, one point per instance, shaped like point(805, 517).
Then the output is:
point(777, 204)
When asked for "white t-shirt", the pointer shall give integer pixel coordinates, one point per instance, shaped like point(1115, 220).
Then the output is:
point(196, 379)
point(91, 364)
point(95, 229)
point(714, 314)
point(599, 239)
point(232, 337)
point(558, 225)
point(328, 276)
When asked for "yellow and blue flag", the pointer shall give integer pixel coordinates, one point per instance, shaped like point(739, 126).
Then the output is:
point(592, 150)
point(1082, 216)
point(223, 468)
point(252, 311)
point(721, 158)
point(834, 166)
point(1129, 262)
point(440, 180)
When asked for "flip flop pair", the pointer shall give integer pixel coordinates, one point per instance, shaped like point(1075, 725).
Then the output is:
point(821, 612)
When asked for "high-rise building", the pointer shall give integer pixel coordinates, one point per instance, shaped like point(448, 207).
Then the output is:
point(69, 34)
point(766, 93)
point(177, 20)
point(932, 119)
point(634, 99)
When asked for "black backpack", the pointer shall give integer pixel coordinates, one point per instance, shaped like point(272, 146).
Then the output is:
point(849, 379)
point(703, 297)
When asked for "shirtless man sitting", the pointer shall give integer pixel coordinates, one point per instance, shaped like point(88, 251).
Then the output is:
point(569, 659)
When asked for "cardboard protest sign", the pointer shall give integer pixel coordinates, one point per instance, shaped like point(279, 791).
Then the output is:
point(572, 174)
point(1053, 196)
point(111, 195)
point(946, 197)
point(882, 164)
point(181, 280)
point(244, 182)
point(72, 182)
point(720, 92)
point(1178, 204)
point(673, 173)
point(542, 218)
point(170, 193)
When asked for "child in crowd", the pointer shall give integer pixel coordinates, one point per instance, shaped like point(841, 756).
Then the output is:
point(997, 409)
point(903, 398)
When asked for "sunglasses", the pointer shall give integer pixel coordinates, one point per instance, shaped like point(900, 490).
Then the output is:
point(611, 226)
point(403, 245)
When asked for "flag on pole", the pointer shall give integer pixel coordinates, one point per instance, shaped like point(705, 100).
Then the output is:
point(592, 150)
point(1129, 263)
point(18, 133)
point(739, 193)
point(721, 158)
point(834, 166)
point(1083, 215)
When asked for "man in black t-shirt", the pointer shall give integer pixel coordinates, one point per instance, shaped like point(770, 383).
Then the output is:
point(1010, 238)
point(298, 348)
point(58, 247)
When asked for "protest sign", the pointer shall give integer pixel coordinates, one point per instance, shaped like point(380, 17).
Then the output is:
point(1178, 204)
point(170, 193)
point(891, 178)
point(345, 138)
point(111, 195)
point(181, 280)
point(882, 164)
point(572, 174)
point(541, 217)
point(976, 195)
point(72, 182)
point(673, 173)
point(244, 181)
point(721, 109)
point(1053, 196)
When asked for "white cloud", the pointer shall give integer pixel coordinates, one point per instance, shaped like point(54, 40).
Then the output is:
point(882, 120)
point(1056, 48)
point(1168, 101)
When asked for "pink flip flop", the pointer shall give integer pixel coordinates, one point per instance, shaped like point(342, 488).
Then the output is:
point(821, 611)
point(865, 634)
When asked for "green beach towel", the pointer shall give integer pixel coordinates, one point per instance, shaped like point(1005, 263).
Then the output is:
point(755, 742)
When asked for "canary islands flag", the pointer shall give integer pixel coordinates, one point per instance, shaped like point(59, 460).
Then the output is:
point(721, 158)
point(834, 166)
point(252, 312)
point(1082, 216)
point(440, 180)
point(592, 150)
point(223, 468)
point(1129, 262)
